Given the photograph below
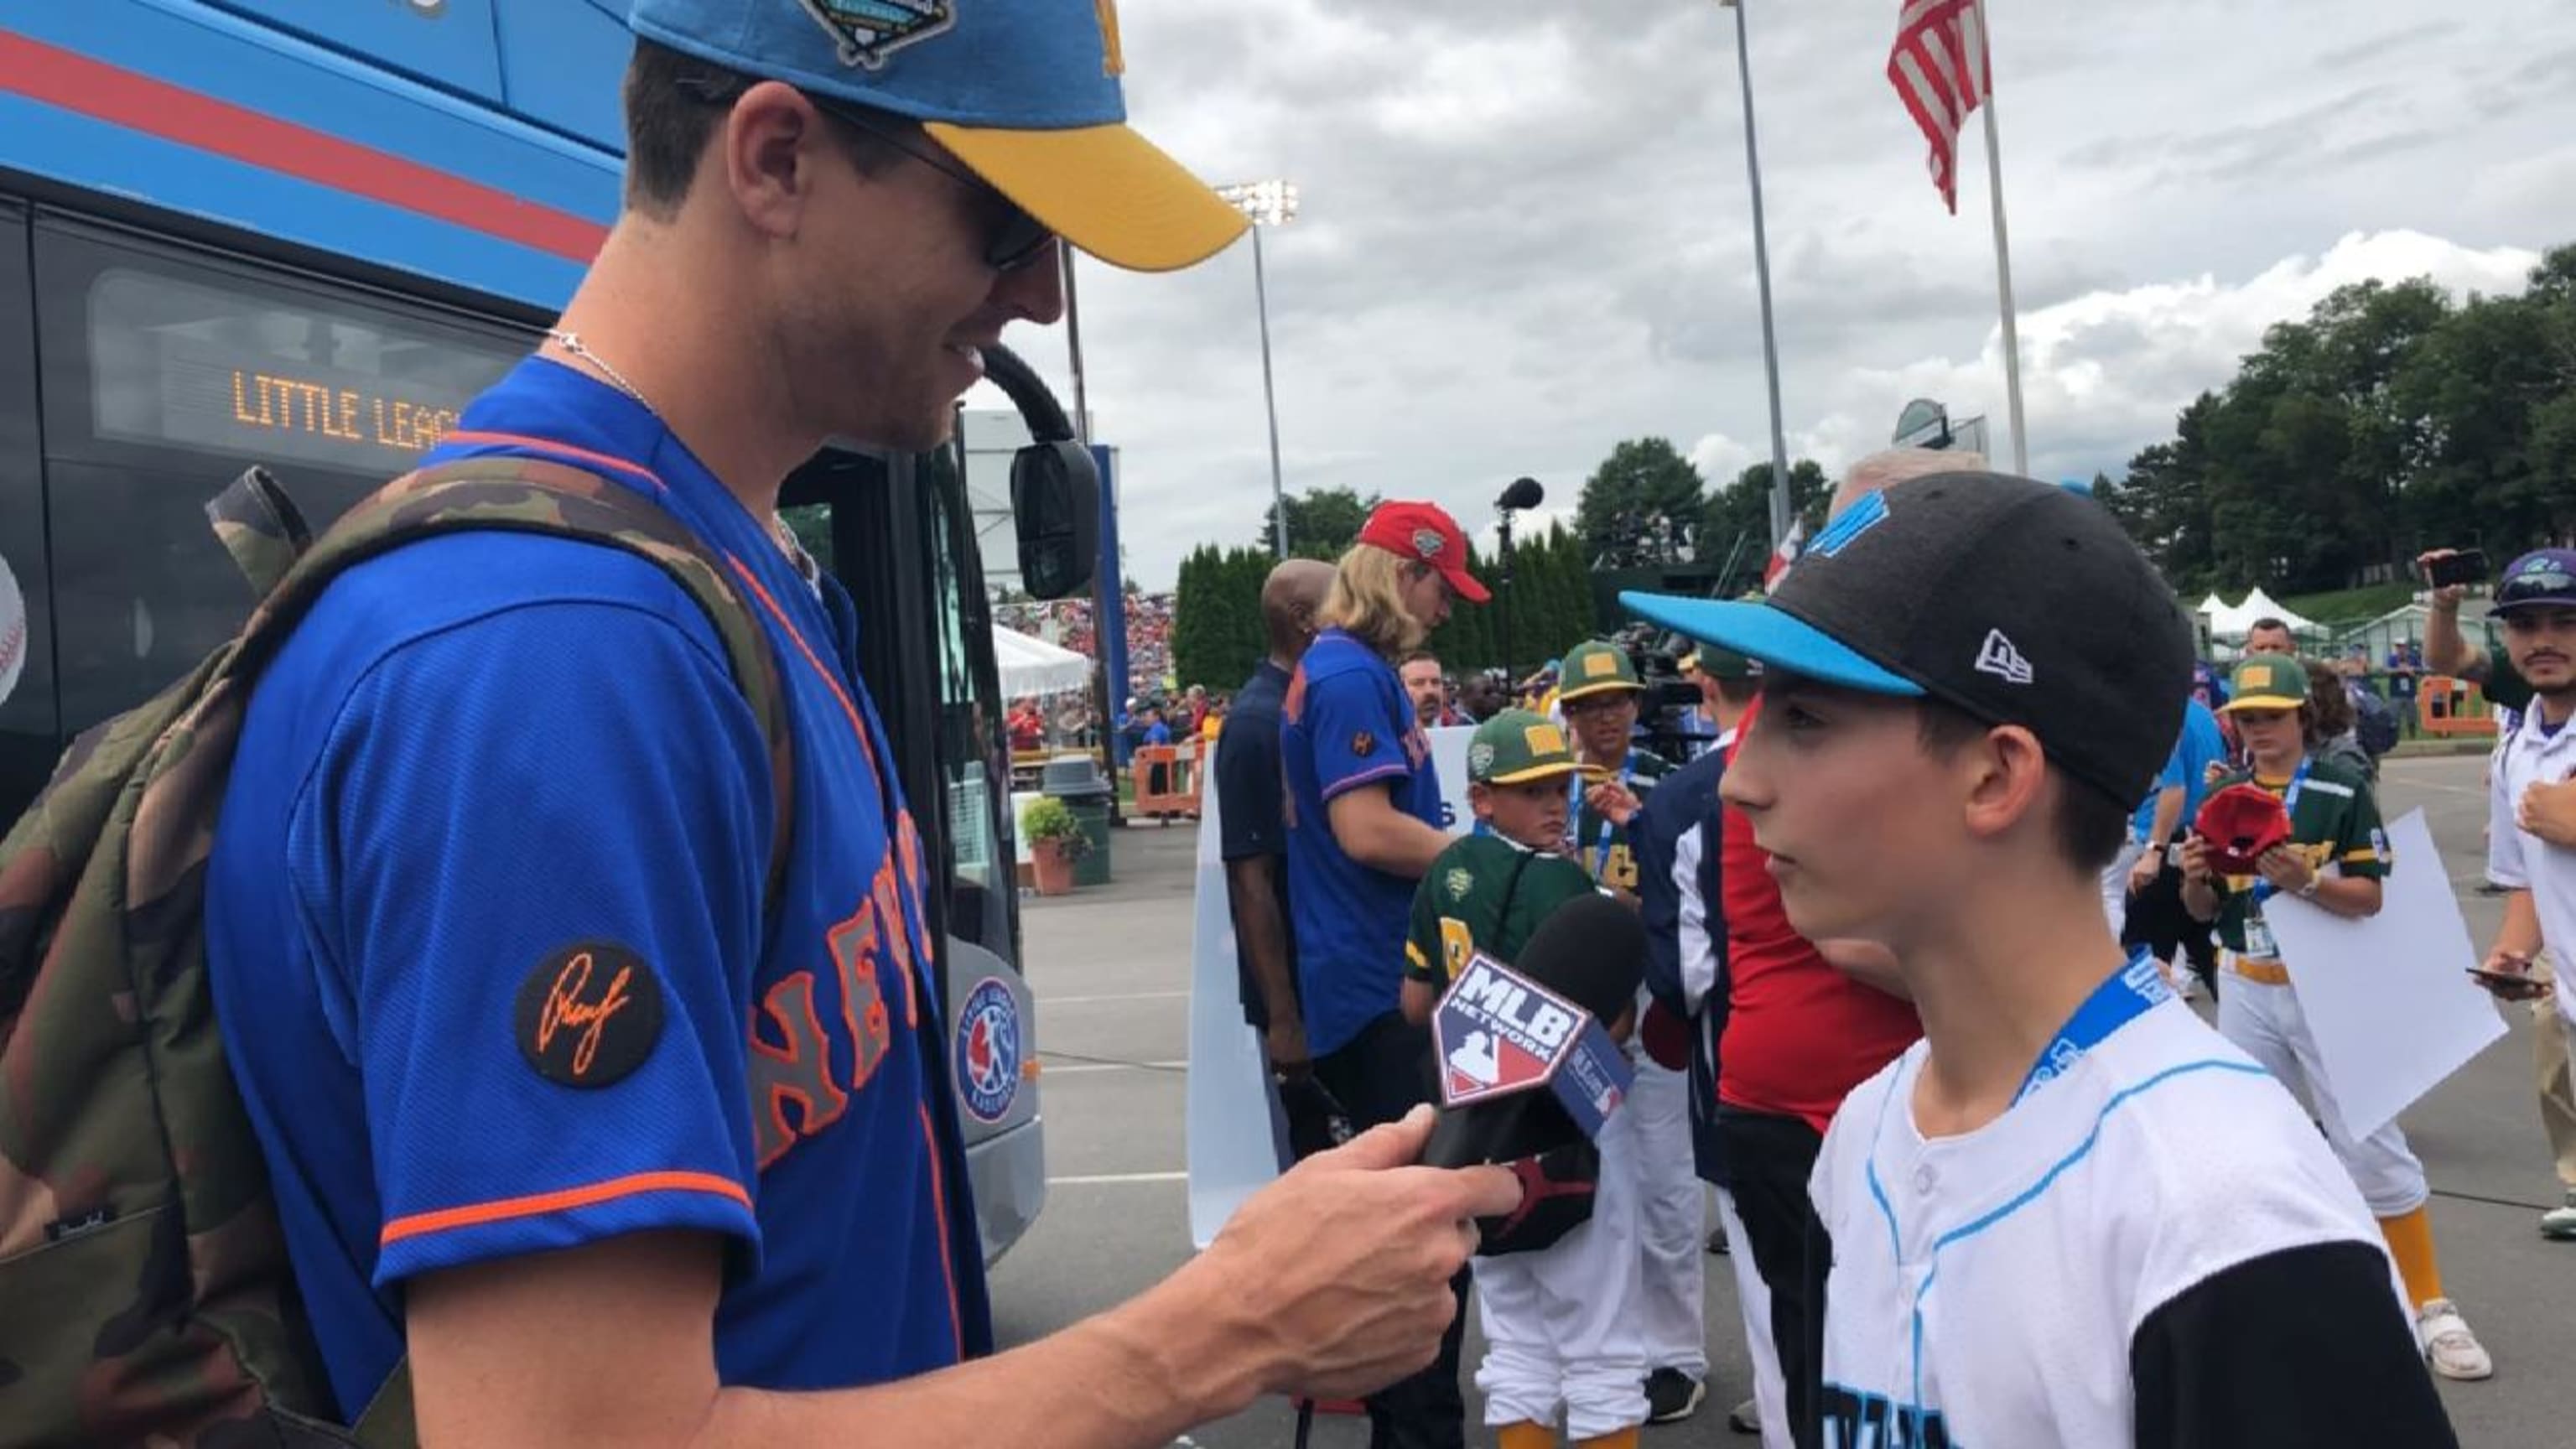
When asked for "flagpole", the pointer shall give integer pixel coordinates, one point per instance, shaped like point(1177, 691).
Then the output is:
point(2003, 248)
point(1762, 279)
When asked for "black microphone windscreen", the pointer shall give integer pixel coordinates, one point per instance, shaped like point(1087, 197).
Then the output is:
point(1592, 952)
point(1524, 493)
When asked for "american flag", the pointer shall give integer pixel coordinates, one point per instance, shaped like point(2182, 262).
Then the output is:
point(1786, 554)
point(1939, 70)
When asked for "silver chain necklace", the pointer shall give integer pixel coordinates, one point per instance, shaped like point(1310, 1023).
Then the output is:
point(780, 533)
point(571, 342)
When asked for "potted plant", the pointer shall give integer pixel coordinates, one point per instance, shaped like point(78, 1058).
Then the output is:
point(1056, 841)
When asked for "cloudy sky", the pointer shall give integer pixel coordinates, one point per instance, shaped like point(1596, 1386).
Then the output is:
point(1526, 233)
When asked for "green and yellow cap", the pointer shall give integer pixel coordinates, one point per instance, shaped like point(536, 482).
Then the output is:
point(2267, 681)
point(1517, 746)
point(1718, 662)
point(1595, 667)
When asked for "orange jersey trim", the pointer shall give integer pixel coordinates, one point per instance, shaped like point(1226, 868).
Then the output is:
point(537, 1204)
point(560, 450)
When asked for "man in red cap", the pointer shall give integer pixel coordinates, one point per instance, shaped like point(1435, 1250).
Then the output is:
point(1364, 822)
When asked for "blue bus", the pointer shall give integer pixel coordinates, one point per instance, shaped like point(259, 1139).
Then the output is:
point(303, 234)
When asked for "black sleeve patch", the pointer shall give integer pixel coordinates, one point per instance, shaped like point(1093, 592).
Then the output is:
point(589, 1014)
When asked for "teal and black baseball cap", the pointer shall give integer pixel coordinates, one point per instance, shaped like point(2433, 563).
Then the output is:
point(1026, 93)
point(2015, 601)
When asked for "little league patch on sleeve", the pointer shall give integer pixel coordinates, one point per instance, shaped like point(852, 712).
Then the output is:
point(589, 1015)
point(1363, 744)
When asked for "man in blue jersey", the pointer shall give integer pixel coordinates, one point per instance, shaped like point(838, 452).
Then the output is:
point(1364, 823)
point(559, 1101)
point(2154, 917)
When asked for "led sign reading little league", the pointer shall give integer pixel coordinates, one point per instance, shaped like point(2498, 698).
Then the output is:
point(290, 404)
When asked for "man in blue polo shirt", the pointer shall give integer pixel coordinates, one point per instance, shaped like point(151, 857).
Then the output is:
point(558, 1102)
point(2152, 879)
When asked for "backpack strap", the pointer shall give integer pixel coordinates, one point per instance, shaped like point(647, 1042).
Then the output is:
point(389, 1420)
point(266, 534)
point(260, 527)
point(525, 495)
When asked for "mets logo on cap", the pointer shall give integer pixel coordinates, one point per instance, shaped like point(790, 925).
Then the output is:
point(871, 30)
point(988, 1051)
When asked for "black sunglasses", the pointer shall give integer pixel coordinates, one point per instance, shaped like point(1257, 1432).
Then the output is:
point(1013, 242)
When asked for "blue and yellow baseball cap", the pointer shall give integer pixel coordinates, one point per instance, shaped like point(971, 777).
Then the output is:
point(1025, 92)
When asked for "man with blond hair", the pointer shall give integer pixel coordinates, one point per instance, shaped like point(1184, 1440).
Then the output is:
point(1364, 816)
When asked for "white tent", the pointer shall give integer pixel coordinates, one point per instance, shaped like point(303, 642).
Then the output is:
point(2233, 623)
point(1031, 665)
point(2213, 606)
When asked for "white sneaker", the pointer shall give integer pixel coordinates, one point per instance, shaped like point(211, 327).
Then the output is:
point(2454, 1352)
point(2559, 1223)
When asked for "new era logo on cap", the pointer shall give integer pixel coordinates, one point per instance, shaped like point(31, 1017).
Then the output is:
point(1999, 658)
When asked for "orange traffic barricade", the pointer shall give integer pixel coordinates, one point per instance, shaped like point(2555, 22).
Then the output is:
point(2452, 708)
point(1167, 780)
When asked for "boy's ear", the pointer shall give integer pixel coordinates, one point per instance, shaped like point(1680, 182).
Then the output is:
point(2011, 779)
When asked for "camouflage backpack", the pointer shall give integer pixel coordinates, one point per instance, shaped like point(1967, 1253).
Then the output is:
point(145, 1291)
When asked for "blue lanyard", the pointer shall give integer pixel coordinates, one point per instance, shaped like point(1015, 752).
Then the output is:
point(2264, 890)
point(1574, 788)
point(2119, 1000)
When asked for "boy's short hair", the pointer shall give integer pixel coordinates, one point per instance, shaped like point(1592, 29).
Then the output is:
point(2088, 825)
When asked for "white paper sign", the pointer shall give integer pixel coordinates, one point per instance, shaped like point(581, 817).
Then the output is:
point(2385, 998)
point(1231, 1130)
point(1233, 1126)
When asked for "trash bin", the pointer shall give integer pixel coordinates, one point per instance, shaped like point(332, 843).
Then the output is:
point(1076, 780)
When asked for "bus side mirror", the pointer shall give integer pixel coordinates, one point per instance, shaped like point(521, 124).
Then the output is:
point(1055, 506)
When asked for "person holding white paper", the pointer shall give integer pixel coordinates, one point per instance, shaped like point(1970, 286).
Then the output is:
point(2335, 858)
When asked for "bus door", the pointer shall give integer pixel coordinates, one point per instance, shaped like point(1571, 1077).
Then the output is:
point(896, 531)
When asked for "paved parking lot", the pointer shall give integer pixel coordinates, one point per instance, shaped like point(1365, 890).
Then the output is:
point(1111, 972)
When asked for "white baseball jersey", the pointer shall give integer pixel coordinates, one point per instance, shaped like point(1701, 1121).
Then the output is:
point(2531, 755)
point(2151, 1247)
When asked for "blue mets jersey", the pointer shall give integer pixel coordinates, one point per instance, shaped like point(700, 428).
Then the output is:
point(494, 960)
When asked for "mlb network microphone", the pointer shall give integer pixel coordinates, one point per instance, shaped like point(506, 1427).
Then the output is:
point(1500, 1034)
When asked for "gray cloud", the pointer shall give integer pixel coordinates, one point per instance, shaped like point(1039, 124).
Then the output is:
point(1526, 233)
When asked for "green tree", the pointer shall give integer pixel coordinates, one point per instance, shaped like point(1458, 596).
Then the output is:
point(2388, 420)
point(1322, 522)
point(1737, 520)
point(1642, 479)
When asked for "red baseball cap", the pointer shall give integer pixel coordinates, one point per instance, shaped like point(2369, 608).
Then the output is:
point(2240, 823)
point(1424, 533)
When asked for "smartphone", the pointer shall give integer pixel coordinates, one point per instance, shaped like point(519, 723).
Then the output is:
point(2511, 985)
point(2468, 566)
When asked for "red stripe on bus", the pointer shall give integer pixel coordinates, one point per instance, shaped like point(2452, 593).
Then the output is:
point(89, 87)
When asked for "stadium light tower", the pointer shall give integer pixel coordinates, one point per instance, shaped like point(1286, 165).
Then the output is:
point(1268, 204)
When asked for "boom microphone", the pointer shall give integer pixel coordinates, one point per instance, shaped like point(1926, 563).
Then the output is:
point(1525, 1059)
point(1524, 493)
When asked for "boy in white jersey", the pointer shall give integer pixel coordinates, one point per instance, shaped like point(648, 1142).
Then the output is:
point(2072, 1214)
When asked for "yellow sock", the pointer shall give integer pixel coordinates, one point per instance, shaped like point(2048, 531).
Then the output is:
point(2410, 1242)
point(1526, 1435)
point(1617, 1439)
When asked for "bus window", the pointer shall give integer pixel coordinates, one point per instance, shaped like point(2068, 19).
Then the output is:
point(974, 771)
point(29, 733)
point(164, 376)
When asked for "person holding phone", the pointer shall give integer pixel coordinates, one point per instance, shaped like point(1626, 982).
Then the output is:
point(2533, 766)
point(2449, 572)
